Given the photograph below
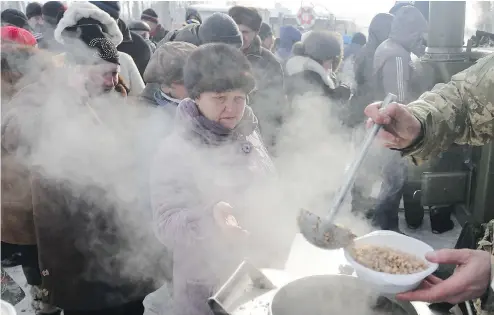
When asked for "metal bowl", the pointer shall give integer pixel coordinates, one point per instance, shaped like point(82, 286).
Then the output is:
point(334, 295)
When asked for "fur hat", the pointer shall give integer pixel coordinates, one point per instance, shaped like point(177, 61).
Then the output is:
point(217, 68)
point(220, 28)
point(149, 15)
point(321, 46)
point(82, 9)
point(167, 63)
point(249, 17)
point(33, 9)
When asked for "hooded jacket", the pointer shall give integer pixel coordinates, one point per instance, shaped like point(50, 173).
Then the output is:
point(392, 61)
point(364, 94)
point(289, 35)
point(198, 165)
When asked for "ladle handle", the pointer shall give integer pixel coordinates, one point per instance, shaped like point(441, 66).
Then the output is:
point(352, 172)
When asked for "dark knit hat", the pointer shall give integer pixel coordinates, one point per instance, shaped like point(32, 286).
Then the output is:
point(53, 11)
point(139, 26)
point(265, 31)
point(166, 65)
point(217, 68)
point(149, 15)
point(220, 28)
point(110, 7)
point(321, 46)
point(359, 38)
point(193, 14)
point(14, 17)
point(249, 17)
point(33, 9)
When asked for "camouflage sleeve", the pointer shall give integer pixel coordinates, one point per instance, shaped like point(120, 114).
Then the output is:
point(460, 111)
point(485, 305)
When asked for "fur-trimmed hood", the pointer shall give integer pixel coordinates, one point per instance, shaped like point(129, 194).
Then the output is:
point(83, 9)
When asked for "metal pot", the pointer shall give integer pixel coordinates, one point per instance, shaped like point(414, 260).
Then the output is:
point(333, 294)
point(250, 291)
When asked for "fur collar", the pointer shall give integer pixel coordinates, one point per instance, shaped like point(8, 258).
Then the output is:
point(299, 64)
point(83, 9)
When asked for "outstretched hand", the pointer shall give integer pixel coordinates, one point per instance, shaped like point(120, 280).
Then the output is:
point(469, 281)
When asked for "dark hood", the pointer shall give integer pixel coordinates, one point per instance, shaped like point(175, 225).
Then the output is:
point(193, 14)
point(379, 29)
point(408, 27)
point(191, 120)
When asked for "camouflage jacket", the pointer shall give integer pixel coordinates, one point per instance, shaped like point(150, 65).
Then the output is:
point(485, 305)
point(460, 111)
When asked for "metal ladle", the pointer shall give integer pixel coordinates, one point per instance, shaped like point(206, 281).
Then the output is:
point(324, 233)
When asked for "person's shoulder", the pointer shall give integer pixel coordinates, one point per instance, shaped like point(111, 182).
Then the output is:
point(124, 56)
point(392, 49)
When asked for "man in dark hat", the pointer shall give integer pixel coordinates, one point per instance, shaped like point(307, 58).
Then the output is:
point(266, 35)
point(268, 99)
point(15, 18)
point(218, 28)
point(158, 32)
point(142, 29)
point(51, 13)
point(34, 16)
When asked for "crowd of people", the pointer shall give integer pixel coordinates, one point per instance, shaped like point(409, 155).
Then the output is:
point(137, 162)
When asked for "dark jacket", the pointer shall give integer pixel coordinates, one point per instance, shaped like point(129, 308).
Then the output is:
point(392, 61)
point(189, 34)
point(365, 91)
point(138, 49)
point(268, 100)
point(306, 77)
point(86, 253)
point(183, 194)
point(158, 34)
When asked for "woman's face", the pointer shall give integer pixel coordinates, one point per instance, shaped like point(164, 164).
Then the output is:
point(226, 108)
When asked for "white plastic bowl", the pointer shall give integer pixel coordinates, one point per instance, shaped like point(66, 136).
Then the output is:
point(386, 283)
point(7, 308)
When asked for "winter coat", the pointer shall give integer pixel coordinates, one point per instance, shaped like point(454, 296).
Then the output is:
point(90, 251)
point(392, 61)
point(130, 74)
point(158, 34)
point(189, 34)
point(364, 69)
point(268, 100)
point(307, 78)
point(197, 166)
point(138, 49)
point(289, 35)
point(17, 207)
